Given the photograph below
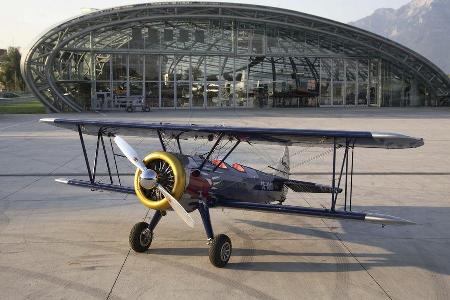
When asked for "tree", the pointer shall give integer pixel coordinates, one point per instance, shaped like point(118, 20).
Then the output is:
point(10, 74)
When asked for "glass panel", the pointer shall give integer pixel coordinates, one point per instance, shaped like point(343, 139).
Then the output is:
point(338, 70)
point(198, 77)
point(198, 63)
point(183, 68)
point(167, 68)
point(241, 81)
point(212, 92)
point(250, 39)
point(151, 67)
point(363, 70)
point(244, 35)
point(79, 92)
point(350, 70)
point(326, 69)
point(167, 93)
point(136, 67)
point(362, 95)
point(153, 37)
point(183, 94)
point(119, 89)
point(152, 94)
point(325, 93)
point(102, 66)
point(137, 38)
point(103, 96)
point(350, 93)
point(373, 94)
point(119, 67)
point(337, 93)
point(136, 88)
point(197, 94)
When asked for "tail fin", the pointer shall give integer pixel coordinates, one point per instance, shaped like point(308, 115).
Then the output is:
point(283, 168)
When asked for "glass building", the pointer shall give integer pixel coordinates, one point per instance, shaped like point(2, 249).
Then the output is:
point(209, 55)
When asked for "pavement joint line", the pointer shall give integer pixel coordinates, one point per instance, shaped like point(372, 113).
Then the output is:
point(336, 235)
point(124, 261)
point(128, 254)
point(37, 179)
point(365, 269)
point(17, 124)
point(337, 238)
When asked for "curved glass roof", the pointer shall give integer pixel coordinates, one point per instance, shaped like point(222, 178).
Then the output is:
point(62, 55)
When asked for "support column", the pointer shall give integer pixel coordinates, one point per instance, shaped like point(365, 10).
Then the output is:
point(380, 85)
point(144, 92)
point(190, 81)
point(344, 92)
point(320, 82)
point(332, 80)
point(205, 84)
point(111, 78)
point(93, 99)
point(175, 82)
point(234, 81)
point(357, 83)
point(128, 75)
point(159, 81)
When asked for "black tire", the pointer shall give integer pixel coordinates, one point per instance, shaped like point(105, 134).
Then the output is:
point(129, 109)
point(220, 250)
point(140, 237)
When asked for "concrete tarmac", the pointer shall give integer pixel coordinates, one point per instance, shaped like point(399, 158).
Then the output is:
point(58, 241)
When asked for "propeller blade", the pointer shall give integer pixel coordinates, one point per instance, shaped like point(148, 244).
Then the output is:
point(181, 212)
point(130, 153)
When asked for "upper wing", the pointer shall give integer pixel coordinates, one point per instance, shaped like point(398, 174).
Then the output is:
point(281, 136)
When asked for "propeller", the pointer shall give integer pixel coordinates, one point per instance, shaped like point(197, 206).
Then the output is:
point(149, 179)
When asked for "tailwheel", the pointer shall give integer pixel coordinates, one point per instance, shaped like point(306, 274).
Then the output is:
point(140, 237)
point(220, 250)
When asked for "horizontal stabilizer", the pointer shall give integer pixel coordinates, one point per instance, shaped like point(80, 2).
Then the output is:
point(309, 187)
point(97, 185)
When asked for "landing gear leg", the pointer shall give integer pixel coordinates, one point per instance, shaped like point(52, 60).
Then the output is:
point(141, 234)
point(219, 245)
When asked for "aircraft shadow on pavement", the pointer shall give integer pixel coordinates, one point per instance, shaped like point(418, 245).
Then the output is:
point(424, 245)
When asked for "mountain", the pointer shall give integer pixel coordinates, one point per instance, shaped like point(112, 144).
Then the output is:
point(421, 25)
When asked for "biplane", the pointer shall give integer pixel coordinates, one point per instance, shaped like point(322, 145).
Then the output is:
point(173, 180)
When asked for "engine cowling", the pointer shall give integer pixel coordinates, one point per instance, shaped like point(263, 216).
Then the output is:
point(171, 175)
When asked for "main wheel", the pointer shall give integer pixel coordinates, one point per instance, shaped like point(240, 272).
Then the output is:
point(140, 237)
point(220, 250)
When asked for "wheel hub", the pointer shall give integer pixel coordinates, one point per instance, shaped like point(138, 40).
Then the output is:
point(225, 251)
point(146, 237)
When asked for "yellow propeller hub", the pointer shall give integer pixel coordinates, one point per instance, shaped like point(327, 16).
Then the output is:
point(170, 174)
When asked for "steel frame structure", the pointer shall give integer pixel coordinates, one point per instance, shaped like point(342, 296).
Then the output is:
point(75, 45)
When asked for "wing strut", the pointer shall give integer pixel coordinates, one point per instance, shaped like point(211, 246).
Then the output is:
point(344, 166)
point(211, 151)
point(86, 159)
point(226, 155)
point(92, 173)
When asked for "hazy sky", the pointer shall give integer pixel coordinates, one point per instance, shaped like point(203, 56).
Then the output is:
point(23, 20)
